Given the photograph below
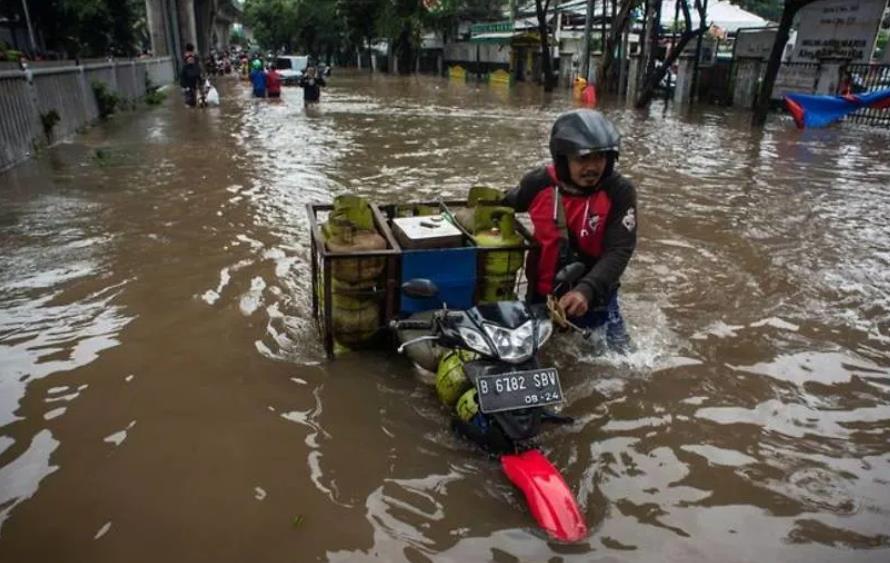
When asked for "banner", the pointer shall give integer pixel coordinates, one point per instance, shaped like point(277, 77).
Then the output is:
point(838, 28)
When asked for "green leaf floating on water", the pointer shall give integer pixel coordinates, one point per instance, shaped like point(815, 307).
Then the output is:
point(298, 519)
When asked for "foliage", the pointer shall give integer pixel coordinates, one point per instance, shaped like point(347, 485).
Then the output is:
point(155, 97)
point(86, 28)
point(10, 55)
point(237, 37)
point(360, 17)
point(768, 9)
point(106, 100)
point(274, 22)
point(48, 120)
point(444, 16)
point(881, 44)
point(308, 26)
point(319, 28)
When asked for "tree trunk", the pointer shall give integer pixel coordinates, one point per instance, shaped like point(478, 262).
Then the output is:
point(619, 22)
point(775, 61)
point(370, 56)
point(549, 82)
point(653, 78)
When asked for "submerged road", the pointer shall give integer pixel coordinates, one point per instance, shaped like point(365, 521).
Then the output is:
point(164, 397)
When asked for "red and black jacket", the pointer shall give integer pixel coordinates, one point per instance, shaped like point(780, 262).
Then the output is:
point(601, 227)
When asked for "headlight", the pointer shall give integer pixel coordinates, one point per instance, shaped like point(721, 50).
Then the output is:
point(475, 341)
point(545, 329)
point(515, 345)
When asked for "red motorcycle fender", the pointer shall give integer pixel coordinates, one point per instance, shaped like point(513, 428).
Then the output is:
point(551, 502)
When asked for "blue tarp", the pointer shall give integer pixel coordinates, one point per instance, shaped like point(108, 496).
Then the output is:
point(819, 111)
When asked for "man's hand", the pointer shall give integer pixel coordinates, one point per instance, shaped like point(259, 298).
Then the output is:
point(573, 303)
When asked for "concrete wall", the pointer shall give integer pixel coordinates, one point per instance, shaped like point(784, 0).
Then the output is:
point(68, 91)
point(746, 82)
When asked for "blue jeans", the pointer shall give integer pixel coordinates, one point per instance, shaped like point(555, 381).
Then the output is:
point(617, 338)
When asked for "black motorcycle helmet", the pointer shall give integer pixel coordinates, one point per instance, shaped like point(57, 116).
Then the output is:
point(580, 132)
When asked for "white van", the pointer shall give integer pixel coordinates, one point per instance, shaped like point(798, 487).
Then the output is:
point(291, 67)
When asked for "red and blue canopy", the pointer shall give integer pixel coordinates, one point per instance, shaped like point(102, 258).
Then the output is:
point(819, 111)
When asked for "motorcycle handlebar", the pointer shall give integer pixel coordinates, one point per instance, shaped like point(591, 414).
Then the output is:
point(412, 324)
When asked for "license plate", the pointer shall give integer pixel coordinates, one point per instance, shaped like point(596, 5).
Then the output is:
point(518, 390)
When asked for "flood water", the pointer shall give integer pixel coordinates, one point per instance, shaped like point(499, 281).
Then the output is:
point(164, 395)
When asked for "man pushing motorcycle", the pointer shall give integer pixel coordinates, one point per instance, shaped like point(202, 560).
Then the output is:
point(582, 210)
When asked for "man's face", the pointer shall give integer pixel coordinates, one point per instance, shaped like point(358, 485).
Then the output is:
point(587, 170)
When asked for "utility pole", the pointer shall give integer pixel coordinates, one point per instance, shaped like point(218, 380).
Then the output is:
point(588, 28)
point(30, 29)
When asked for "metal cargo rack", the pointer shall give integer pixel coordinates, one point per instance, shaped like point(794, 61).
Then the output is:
point(384, 290)
point(388, 212)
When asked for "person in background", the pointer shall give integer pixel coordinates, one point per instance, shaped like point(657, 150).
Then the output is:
point(311, 85)
point(258, 79)
point(583, 210)
point(273, 82)
point(189, 79)
point(244, 67)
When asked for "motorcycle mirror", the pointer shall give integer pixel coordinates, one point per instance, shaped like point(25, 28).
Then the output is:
point(570, 274)
point(420, 288)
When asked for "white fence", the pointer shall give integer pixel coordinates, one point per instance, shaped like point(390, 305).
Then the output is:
point(68, 91)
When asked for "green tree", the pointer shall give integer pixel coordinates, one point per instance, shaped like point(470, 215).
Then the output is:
point(85, 28)
point(319, 28)
point(274, 22)
point(768, 9)
point(360, 18)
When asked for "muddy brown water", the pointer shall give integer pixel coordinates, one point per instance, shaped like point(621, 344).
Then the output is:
point(163, 395)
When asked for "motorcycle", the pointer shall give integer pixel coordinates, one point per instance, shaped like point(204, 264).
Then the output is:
point(501, 393)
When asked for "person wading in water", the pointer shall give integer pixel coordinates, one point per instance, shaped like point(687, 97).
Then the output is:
point(582, 210)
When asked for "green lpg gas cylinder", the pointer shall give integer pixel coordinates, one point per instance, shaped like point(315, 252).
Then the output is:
point(451, 381)
point(355, 312)
point(499, 268)
point(350, 228)
point(468, 405)
point(478, 194)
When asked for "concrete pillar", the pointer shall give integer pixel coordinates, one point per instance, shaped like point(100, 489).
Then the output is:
point(205, 16)
point(171, 16)
point(685, 73)
point(188, 30)
point(633, 84)
point(595, 62)
point(746, 82)
point(157, 27)
point(829, 75)
point(221, 30)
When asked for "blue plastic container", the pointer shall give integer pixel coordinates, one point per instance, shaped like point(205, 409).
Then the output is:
point(453, 270)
